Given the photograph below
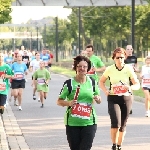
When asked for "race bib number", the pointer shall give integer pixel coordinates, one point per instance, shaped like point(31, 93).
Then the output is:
point(18, 76)
point(2, 86)
point(41, 81)
point(132, 65)
point(81, 111)
point(146, 81)
point(8, 61)
point(25, 61)
point(119, 90)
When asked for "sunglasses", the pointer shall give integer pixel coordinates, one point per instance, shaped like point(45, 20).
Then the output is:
point(119, 57)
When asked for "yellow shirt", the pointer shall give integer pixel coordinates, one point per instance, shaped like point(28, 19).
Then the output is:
point(117, 77)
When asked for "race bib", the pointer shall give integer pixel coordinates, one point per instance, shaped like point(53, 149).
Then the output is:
point(2, 86)
point(145, 81)
point(119, 90)
point(8, 61)
point(81, 110)
point(25, 61)
point(18, 76)
point(36, 68)
point(40, 81)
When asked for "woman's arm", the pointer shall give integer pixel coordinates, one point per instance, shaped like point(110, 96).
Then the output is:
point(102, 84)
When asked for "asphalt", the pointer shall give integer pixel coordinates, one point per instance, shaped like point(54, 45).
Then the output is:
point(34, 128)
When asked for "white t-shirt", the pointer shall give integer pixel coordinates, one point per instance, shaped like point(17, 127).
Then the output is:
point(35, 64)
point(146, 76)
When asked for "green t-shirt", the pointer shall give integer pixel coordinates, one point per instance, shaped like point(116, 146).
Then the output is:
point(85, 96)
point(96, 62)
point(115, 76)
point(42, 75)
point(4, 83)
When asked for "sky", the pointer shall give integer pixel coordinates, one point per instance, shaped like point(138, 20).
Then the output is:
point(24, 13)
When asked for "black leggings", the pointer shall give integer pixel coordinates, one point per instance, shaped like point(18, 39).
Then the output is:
point(119, 108)
point(80, 138)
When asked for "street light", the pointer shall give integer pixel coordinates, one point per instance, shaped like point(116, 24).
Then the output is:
point(37, 30)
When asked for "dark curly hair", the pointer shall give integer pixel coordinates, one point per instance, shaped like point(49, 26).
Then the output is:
point(81, 58)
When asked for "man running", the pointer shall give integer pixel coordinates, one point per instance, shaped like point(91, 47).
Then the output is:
point(132, 61)
point(18, 80)
point(5, 74)
point(34, 65)
point(45, 58)
point(97, 64)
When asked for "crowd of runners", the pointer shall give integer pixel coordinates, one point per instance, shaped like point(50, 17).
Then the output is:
point(14, 66)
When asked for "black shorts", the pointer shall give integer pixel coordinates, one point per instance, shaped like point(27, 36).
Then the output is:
point(119, 108)
point(16, 84)
point(3, 99)
point(49, 65)
point(146, 88)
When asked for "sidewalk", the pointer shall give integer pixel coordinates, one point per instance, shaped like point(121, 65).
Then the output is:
point(11, 137)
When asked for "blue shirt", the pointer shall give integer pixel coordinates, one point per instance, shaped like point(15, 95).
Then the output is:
point(8, 60)
point(32, 58)
point(19, 70)
point(45, 58)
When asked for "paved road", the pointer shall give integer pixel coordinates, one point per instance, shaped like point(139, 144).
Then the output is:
point(43, 128)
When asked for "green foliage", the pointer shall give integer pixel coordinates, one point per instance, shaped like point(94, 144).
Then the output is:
point(5, 10)
point(104, 27)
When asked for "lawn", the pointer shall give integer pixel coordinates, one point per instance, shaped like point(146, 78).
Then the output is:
point(71, 73)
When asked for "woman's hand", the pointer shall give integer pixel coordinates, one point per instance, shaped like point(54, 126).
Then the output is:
point(106, 92)
point(126, 87)
point(97, 99)
point(72, 103)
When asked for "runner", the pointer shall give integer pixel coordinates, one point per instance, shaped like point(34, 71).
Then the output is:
point(18, 80)
point(34, 65)
point(119, 95)
point(26, 60)
point(132, 61)
point(145, 76)
point(11, 91)
point(97, 64)
point(80, 92)
point(5, 74)
point(45, 57)
point(8, 59)
point(42, 77)
point(51, 59)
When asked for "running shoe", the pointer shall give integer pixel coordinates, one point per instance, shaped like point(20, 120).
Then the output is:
point(20, 108)
point(147, 114)
point(42, 106)
point(114, 148)
point(1, 111)
point(15, 103)
point(34, 97)
point(131, 111)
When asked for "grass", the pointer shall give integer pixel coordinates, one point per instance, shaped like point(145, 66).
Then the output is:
point(71, 73)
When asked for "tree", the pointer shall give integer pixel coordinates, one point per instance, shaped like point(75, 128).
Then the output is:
point(5, 10)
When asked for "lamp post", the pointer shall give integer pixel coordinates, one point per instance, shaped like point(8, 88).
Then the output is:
point(31, 40)
point(37, 30)
point(56, 38)
point(79, 29)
